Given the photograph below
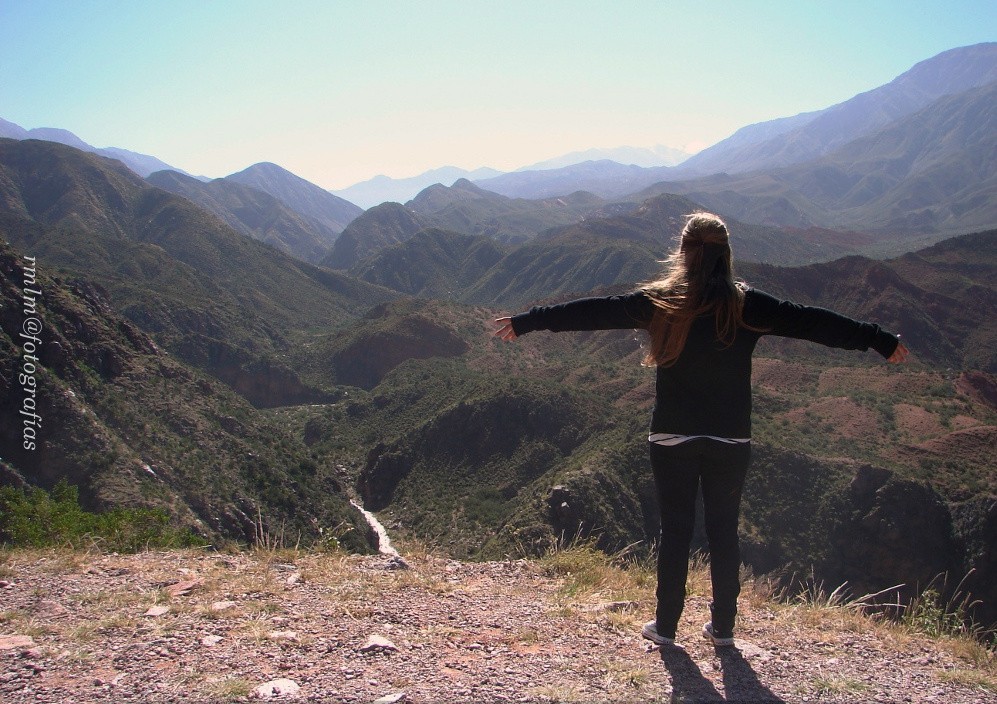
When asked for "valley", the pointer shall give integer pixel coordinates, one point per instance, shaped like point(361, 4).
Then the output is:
point(252, 353)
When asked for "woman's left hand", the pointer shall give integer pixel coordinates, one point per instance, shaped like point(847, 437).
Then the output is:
point(899, 354)
point(505, 332)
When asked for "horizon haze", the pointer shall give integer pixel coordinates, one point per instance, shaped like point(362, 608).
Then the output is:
point(342, 93)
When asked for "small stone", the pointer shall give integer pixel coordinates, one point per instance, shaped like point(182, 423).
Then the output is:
point(280, 687)
point(11, 642)
point(293, 579)
point(183, 588)
point(222, 605)
point(210, 641)
point(50, 609)
point(156, 610)
point(376, 643)
point(391, 698)
point(4, 584)
point(284, 635)
point(750, 650)
point(33, 653)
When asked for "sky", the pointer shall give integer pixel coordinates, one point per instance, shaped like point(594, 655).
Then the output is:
point(341, 91)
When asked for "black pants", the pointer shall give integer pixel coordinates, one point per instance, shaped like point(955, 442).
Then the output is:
point(678, 471)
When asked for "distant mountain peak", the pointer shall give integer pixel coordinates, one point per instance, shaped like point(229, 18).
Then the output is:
point(382, 189)
point(462, 184)
point(54, 134)
point(299, 194)
point(265, 167)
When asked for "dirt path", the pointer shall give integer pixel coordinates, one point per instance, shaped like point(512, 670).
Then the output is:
point(328, 628)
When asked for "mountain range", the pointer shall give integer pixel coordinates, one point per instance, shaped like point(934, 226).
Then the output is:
point(365, 194)
point(142, 164)
point(934, 114)
point(252, 212)
point(383, 189)
point(871, 162)
point(930, 171)
point(659, 155)
point(217, 299)
point(811, 135)
point(270, 204)
point(462, 208)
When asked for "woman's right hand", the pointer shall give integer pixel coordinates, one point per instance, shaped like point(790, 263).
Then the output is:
point(505, 332)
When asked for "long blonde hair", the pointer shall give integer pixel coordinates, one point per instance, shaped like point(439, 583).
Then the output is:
point(698, 279)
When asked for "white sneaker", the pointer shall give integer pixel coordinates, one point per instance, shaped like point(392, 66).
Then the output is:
point(650, 631)
point(710, 635)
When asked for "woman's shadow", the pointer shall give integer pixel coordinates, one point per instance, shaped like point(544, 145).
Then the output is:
point(689, 685)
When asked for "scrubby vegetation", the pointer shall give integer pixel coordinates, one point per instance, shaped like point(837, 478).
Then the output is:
point(35, 518)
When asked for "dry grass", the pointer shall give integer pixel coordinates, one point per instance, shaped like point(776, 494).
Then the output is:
point(589, 574)
point(984, 680)
point(830, 685)
point(228, 689)
point(558, 694)
point(525, 635)
point(26, 624)
point(53, 560)
point(630, 675)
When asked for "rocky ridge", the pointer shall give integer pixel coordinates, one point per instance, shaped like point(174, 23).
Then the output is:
point(292, 626)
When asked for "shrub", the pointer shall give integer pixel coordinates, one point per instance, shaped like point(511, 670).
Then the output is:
point(36, 518)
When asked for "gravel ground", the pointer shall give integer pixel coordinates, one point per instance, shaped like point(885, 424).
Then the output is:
point(196, 627)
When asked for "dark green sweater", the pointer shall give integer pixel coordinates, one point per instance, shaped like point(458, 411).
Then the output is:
point(707, 391)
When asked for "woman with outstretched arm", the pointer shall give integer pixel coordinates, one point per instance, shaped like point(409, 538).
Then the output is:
point(703, 327)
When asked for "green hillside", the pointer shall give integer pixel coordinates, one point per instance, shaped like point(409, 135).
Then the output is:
point(380, 227)
point(128, 424)
point(464, 207)
point(432, 263)
point(252, 212)
point(217, 299)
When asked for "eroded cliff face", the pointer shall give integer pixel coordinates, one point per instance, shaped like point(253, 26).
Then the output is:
point(891, 531)
point(478, 437)
point(377, 349)
point(48, 430)
point(261, 381)
point(976, 526)
point(979, 385)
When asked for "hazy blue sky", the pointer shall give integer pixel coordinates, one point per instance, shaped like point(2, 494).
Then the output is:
point(341, 91)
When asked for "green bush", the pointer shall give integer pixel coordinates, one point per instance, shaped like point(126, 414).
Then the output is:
point(36, 518)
